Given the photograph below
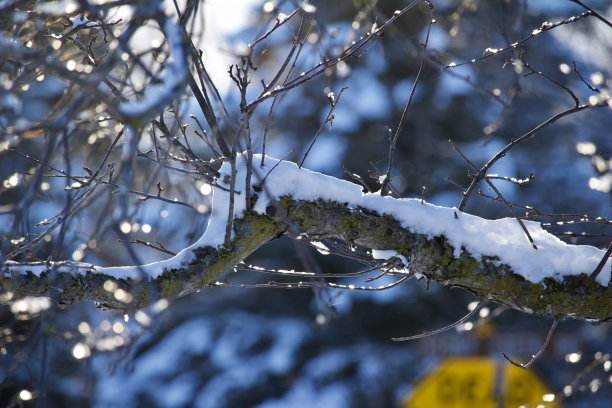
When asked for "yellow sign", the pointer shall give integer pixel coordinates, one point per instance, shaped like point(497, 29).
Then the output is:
point(480, 382)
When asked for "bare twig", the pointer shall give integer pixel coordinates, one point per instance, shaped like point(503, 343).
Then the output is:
point(549, 79)
point(202, 98)
point(232, 193)
point(310, 284)
point(544, 27)
point(601, 264)
point(278, 23)
point(480, 304)
point(241, 78)
point(284, 272)
point(540, 351)
point(357, 178)
point(159, 246)
point(496, 190)
point(587, 83)
point(320, 68)
point(262, 182)
point(593, 12)
point(400, 125)
point(333, 101)
point(530, 134)
point(266, 128)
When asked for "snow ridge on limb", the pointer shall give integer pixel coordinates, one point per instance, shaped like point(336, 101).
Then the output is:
point(491, 258)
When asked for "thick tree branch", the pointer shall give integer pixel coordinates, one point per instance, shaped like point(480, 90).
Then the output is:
point(302, 204)
point(71, 282)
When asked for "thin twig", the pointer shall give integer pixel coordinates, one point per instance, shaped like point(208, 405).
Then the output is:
point(593, 12)
point(540, 351)
point(159, 246)
point(322, 66)
point(310, 284)
point(587, 83)
point(284, 272)
point(266, 128)
point(401, 124)
point(262, 182)
point(499, 195)
point(530, 134)
point(232, 193)
point(357, 178)
point(202, 98)
point(333, 101)
point(277, 24)
point(545, 26)
point(603, 261)
point(445, 328)
point(551, 80)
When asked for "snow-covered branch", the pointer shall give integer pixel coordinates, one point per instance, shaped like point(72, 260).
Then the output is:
point(490, 258)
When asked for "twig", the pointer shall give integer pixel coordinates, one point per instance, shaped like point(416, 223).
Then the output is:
point(283, 272)
point(588, 84)
point(539, 353)
point(573, 385)
point(261, 183)
point(159, 246)
point(232, 193)
point(402, 120)
point(603, 261)
point(203, 168)
point(327, 62)
point(545, 26)
point(542, 75)
point(266, 128)
point(202, 98)
point(310, 284)
point(357, 178)
point(333, 101)
point(377, 174)
point(241, 78)
point(279, 22)
point(499, 195)
point(482, 172)
point(204, 136)
point(593, 12)
point(445, 328)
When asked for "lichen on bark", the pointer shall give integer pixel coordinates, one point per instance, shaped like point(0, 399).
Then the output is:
point(432, 257)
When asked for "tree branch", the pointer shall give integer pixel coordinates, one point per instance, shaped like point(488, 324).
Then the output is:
point(368, 220)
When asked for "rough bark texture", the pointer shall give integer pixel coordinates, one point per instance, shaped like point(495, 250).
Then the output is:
point(578, 297)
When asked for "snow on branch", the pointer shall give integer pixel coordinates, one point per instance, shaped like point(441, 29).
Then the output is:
point(503, 238)
point(491, 258)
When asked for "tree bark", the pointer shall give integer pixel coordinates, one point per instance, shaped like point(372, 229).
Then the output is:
point(577, 296)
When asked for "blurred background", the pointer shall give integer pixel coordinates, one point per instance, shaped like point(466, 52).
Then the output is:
point(256, 347)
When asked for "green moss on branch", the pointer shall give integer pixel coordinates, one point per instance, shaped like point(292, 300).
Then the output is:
point(578, 297)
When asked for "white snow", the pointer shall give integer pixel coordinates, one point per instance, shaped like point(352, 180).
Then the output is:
point(502, 238)
point(320, 247)
point(388, 254)
point(79, 21)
